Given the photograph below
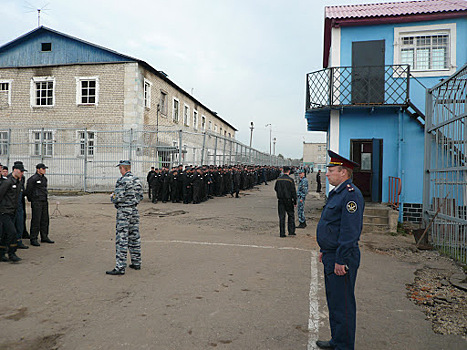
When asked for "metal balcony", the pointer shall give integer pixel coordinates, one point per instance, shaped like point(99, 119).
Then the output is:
point(358, 86)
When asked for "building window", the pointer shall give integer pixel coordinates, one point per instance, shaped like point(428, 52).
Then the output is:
point(45, 47)
point(147, 94)
point(163, 103)
point(4, 142)
point(230, 135)
point(195, 120)
point(42, 92)
point(176, 110)
point(225, 133)
point(203, 123)
point(220, 130)
point(186, 115)
point(87, 90)
point(89, 145)
point(42, 143)
point(5, 93)
point(210, 125)
point(215, 127)
point(429, 50)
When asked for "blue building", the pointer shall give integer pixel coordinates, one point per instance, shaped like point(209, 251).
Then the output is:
point(378, 60)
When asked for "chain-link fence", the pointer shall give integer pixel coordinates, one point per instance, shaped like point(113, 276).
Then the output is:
point(85, 159)
point(445, 187)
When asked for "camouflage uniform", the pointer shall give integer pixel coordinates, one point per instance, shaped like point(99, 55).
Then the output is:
point(128, 193)
point(301, 195)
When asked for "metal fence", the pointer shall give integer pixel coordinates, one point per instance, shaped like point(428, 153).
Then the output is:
point(85, 159)
point(445, 182)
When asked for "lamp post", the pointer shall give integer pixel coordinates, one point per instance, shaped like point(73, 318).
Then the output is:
point(251, 136)
point(270, 141)
point(274, 148)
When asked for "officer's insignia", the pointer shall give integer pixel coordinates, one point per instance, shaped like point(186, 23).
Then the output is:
point(351, 207)
point(350, 188)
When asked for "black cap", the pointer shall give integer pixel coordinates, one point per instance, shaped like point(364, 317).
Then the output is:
point(41, 166)
point(19, 165)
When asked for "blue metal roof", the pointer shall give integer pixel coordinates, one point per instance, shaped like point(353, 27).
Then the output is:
point(26, 51)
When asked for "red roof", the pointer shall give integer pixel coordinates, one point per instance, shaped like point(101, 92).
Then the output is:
point(395, 9)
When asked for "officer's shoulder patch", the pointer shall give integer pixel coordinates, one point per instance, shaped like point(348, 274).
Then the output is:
point(350, 188)
point(351, 207)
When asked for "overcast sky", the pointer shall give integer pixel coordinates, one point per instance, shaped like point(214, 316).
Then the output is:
point(245, 59)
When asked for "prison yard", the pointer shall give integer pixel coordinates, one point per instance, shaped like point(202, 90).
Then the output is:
point(217, 276)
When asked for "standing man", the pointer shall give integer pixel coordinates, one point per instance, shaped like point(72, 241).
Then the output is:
point(128, 193)
point(286, 200)
point(318, 181)
point(338, 233)
point(149, 178)
point(37, 194)
point(20, 210)
point(10, 191)
point(301, 194)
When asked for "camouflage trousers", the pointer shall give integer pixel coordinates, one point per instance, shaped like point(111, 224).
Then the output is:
point(301, 211)
point(127, 237)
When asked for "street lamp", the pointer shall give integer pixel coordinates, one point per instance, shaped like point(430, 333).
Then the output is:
point(251, 136)
point(274, 148)
point(270, 141)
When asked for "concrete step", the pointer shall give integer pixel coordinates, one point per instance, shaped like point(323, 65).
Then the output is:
point(371, 219)
point(377, 211)
point(379, 218)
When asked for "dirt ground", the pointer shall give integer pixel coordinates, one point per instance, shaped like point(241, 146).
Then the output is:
point(215, 276)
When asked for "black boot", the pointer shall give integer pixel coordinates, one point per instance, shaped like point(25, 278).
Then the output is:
point(13, 257)
point(302, 225)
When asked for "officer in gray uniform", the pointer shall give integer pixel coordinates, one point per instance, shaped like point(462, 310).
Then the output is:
point(128, 193)
point(302, 191)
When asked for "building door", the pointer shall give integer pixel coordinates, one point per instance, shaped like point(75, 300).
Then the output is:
point(368, 72)
point(368, 177)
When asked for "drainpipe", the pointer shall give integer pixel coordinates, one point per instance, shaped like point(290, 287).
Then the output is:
point(400, 172)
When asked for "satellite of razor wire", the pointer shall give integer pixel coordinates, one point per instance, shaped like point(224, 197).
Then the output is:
point(40, 10)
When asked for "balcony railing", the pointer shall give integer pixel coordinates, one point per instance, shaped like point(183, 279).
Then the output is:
point(358, 86)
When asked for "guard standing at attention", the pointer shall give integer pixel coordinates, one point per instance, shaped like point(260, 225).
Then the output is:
point(37, 193)
point(286, 200)
point(127, 195)
point(338, 233)
point(301, 194)
point(10, 191)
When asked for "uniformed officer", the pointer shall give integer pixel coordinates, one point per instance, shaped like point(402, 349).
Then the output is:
point(10, 191)
point(338, 233)
point(37, 193)
point(302, 191)
point(286, 200)
point(128, 193)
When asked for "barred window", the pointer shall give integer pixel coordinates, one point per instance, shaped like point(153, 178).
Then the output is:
point(5, 93)
point(425, 52)
point(3, 143)
point(44, 93)
point(163, 103)
point(186, 115)
point(176, 110)
point(89, 146)
point(195, 120)
point(147, 94)
point(88, 91)
point(42, 143)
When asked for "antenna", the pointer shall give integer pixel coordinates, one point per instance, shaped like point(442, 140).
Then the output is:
point(38, 10)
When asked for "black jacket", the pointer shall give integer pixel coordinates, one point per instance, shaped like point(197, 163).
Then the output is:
point(285, 188)
point(36, 188)
point(10, 190)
